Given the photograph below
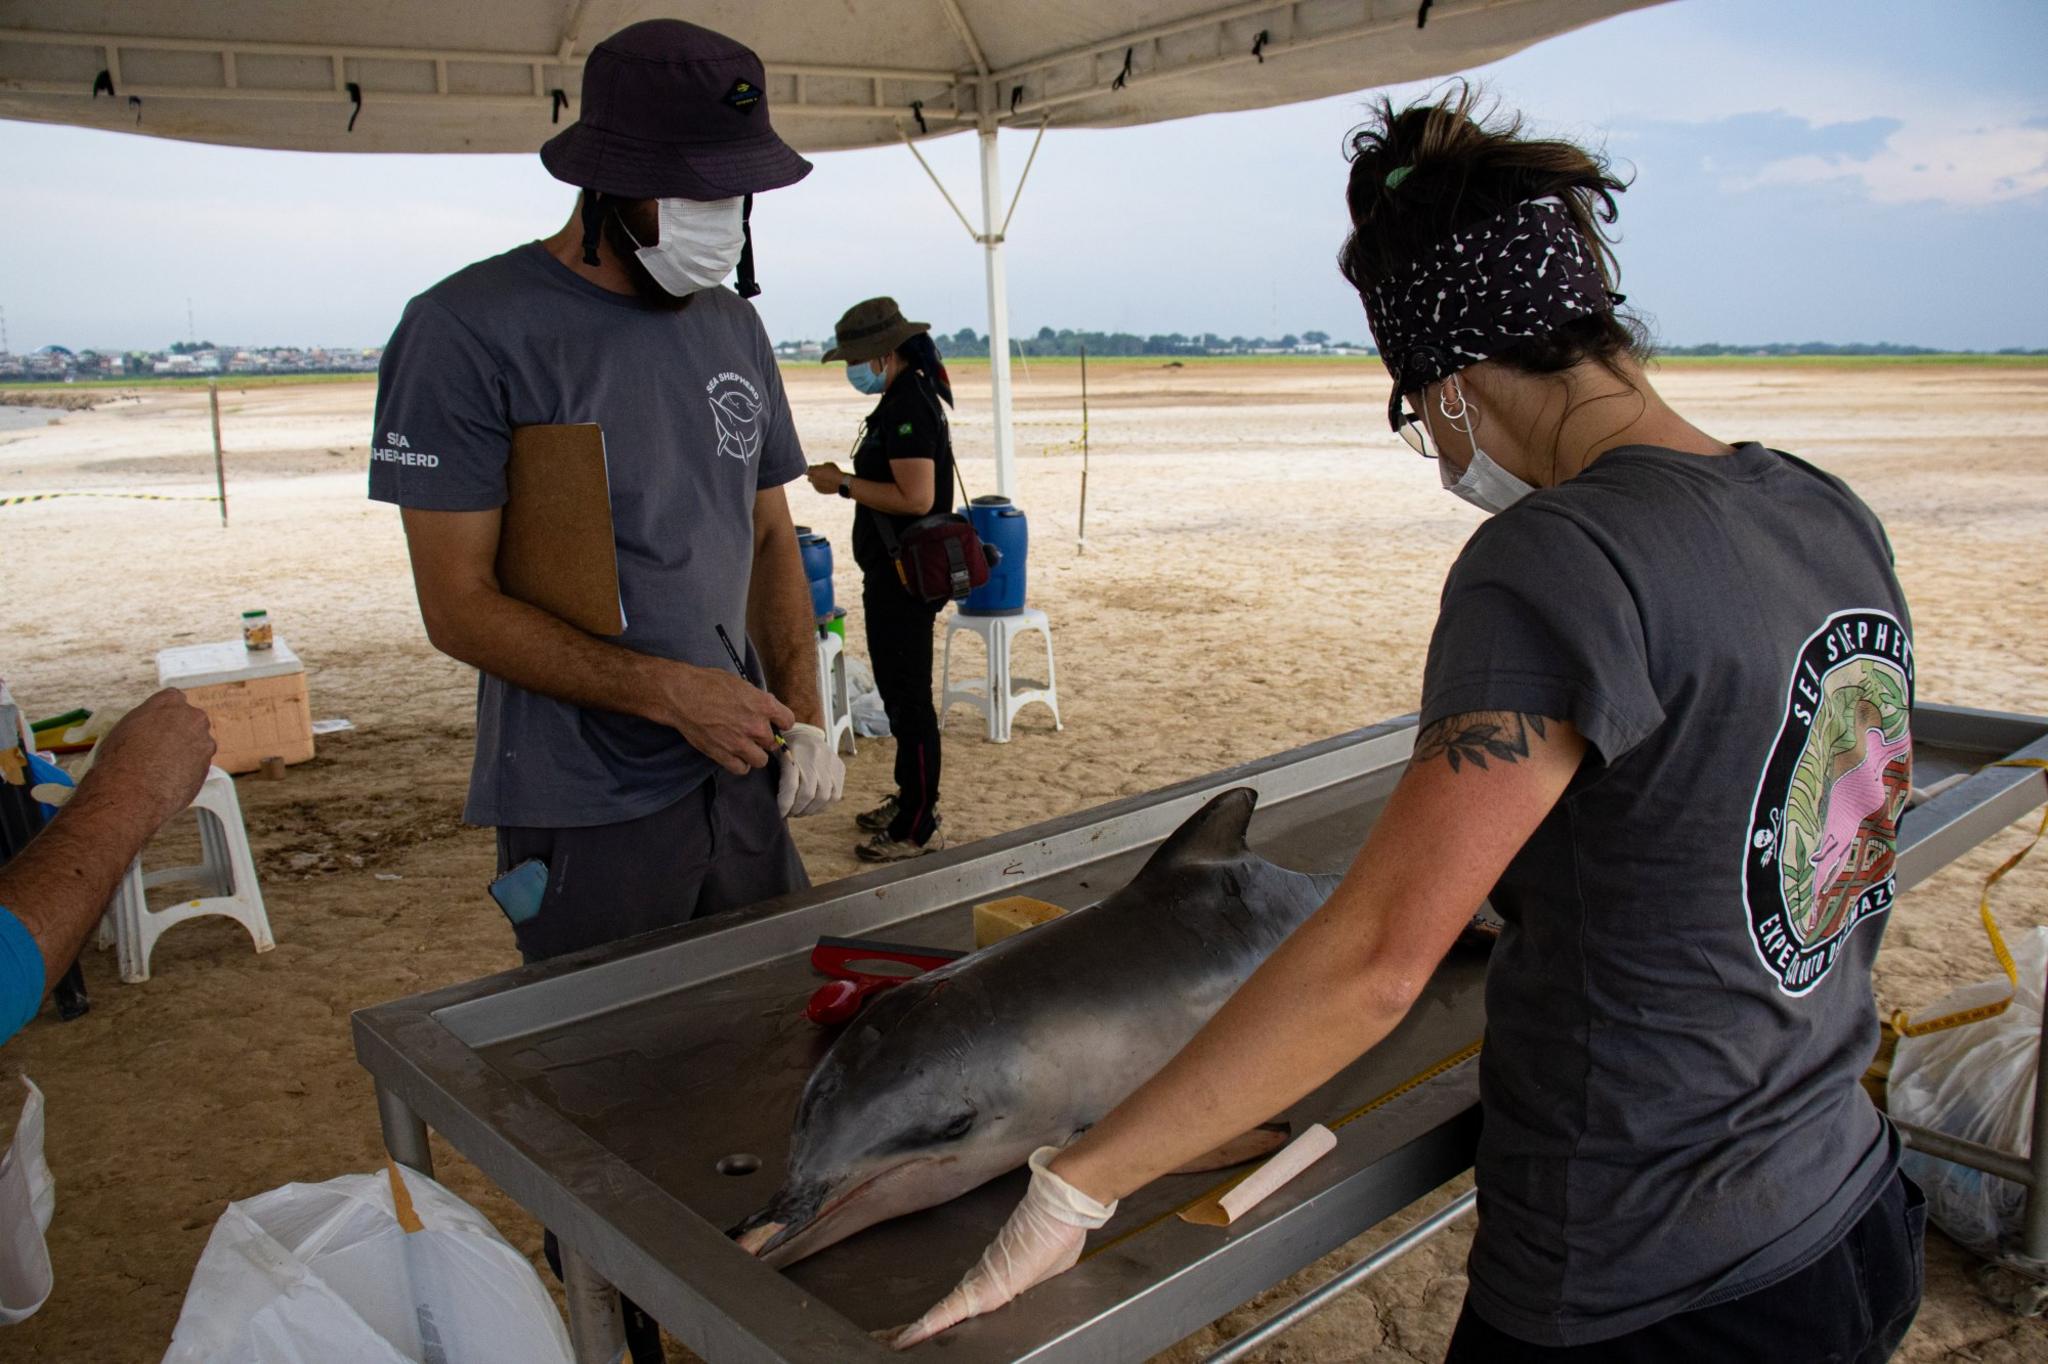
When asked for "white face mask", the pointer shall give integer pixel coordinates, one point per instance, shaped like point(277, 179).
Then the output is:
point(700, 243)
point(1484, 484)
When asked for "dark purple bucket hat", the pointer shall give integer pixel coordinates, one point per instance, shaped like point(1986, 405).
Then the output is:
point(673, 111)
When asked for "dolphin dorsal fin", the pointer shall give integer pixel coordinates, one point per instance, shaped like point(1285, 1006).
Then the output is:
point(1214, 833)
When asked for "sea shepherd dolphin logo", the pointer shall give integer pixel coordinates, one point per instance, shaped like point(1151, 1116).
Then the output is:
point(736, 411)
point(1824, 831)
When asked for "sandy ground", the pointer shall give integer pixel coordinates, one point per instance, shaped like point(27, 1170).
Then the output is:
point(1261, 570)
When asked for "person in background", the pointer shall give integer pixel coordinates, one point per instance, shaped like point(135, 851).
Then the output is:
point(54, 891)
point(902, 471)
point(1666, 731)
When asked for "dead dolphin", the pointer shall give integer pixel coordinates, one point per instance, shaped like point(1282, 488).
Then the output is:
point(956, 1077)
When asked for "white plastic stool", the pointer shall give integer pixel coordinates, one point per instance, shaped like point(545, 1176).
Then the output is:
point(226, 872)
point(994, 694)
point(834, 693)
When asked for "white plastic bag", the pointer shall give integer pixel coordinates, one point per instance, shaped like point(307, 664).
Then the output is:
point(28, 1199)
point(870, 720)
point(325, 1274)
point(1976, 1082)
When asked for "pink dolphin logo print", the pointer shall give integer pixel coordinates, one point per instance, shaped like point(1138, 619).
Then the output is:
point(1855, 796)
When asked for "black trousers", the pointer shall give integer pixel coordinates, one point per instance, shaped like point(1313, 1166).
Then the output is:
point(1851, 1306)
point(723, 846)
point(900, 648)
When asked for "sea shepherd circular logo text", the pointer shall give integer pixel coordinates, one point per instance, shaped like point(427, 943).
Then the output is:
point(1823, 834)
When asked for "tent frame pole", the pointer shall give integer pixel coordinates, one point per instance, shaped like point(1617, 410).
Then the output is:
point(993, 218)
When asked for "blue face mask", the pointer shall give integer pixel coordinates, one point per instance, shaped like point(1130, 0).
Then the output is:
point(865, 378)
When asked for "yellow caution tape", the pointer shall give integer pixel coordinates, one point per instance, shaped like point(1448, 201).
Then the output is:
point(1901, 1020)
point(135, 497)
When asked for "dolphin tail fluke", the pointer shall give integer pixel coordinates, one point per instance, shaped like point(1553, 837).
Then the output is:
point(1214, 833)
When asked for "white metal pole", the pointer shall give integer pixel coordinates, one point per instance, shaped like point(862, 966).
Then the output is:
point(998, 313)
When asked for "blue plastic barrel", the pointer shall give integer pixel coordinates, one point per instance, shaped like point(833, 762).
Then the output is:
point(999, 523)
point(817, 552)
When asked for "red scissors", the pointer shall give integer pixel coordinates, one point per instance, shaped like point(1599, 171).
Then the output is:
point(861, 967)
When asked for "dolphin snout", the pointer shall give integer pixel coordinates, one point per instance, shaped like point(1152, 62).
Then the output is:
point(787, 1215)
point(754, 1240)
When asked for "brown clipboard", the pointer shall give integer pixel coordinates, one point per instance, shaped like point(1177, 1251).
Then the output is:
point(555, 544)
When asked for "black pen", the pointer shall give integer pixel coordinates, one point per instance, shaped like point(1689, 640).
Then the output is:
point(739, 666)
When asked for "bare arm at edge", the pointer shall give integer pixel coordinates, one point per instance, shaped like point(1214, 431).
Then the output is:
point(147, 768)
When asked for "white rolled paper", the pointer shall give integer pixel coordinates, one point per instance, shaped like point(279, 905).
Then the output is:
point(1305, 1150)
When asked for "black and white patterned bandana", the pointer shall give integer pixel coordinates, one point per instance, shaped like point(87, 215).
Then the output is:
point(1525, 273)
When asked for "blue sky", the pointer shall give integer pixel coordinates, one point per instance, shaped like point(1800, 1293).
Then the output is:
point(1825, 170)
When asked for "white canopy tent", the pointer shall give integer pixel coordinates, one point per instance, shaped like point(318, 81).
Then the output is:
point(501, 75)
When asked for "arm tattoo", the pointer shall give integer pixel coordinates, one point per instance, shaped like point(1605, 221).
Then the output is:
point(1476, 736)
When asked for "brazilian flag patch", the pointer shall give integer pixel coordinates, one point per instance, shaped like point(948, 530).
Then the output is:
point(744, 95)
point(904, 429)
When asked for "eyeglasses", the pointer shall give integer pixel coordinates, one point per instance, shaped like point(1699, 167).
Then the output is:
point(1415, 432)
point(1419, 360)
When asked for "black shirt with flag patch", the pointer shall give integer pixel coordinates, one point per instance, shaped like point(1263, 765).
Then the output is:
point(907, 423)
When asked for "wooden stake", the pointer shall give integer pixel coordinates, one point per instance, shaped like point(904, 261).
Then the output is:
point(1081, 531)
point(220, 468)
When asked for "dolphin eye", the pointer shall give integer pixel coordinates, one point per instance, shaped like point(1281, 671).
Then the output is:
point(957, 1128)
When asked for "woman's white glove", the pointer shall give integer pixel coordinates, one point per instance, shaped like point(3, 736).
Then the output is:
point(812, 775)
point(1042, 1238)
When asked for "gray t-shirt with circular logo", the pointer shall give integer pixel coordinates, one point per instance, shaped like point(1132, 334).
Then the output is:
point(1679, 1009)
point(695, 425)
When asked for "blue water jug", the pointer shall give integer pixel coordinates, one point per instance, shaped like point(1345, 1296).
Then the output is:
point(1002, 525)
point(817, 553)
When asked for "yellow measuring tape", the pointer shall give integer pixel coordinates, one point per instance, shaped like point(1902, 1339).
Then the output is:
point(1901, 1020)
point(133, 497)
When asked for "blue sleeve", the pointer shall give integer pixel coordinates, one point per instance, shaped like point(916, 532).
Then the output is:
point(21, 975)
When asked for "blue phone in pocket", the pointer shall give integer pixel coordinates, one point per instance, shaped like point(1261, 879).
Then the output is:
point(519, 891)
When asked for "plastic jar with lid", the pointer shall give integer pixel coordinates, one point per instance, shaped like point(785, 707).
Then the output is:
point(256, 630)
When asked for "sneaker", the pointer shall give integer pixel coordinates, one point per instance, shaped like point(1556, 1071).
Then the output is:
point(882, 848)
point(876, 820)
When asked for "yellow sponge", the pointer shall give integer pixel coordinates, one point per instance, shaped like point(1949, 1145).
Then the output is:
point(999, 919)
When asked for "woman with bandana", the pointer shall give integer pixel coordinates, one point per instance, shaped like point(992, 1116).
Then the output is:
point(902, 472)
point(1670, 677)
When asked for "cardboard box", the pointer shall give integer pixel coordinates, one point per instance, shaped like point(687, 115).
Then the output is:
point(255, 700)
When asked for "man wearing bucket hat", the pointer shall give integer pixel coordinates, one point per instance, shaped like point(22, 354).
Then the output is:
point(902, 471)
point(650, 763)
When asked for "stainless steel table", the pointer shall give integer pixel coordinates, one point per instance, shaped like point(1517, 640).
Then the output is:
point(636, 1099)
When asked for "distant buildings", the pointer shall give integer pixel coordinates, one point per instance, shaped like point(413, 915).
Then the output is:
point(56, 364)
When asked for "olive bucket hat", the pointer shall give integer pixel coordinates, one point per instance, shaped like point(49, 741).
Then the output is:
point(673, 111)
point(871, 330)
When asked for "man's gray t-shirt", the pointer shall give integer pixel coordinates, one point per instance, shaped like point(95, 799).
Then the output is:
point(695, 424)
point(1679, 1009)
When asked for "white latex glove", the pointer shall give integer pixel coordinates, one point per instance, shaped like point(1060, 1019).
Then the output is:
point(1042, 1238)
point(812, 775)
